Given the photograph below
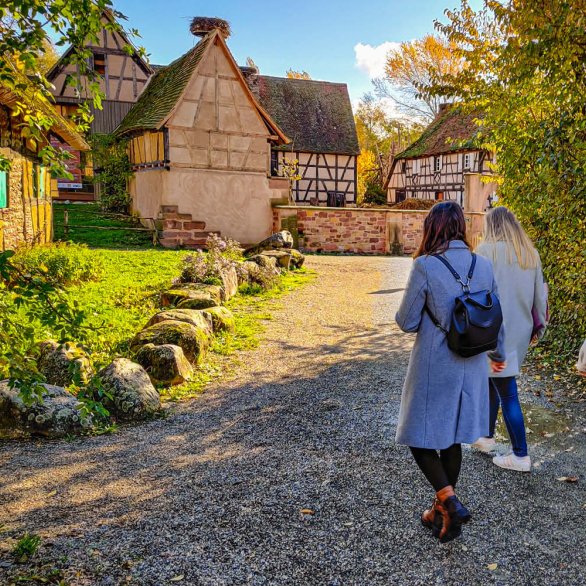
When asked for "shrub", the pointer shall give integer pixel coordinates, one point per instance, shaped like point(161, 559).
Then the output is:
point(374, 194)
point(64, 262)
point(208, 267)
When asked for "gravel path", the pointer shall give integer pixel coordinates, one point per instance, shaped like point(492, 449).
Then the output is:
point(215, 492)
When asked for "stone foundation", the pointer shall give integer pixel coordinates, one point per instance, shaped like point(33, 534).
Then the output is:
point(178, 230)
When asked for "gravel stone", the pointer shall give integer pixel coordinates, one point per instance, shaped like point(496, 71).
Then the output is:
point(219, 491)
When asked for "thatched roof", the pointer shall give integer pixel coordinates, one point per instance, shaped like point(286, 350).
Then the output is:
point(24, 92)
point(316, 115)
point(452, 130)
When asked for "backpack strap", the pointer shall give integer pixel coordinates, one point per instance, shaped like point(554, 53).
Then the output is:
point(434, 319)
point(466, 285)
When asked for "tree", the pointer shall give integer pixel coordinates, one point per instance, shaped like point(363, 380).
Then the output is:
point(293, 74)
point(411, 68)
point(380, 137)
point(48, 56)
point(26, 28)
point(524, 69)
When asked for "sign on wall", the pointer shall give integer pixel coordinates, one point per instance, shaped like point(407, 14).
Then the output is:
point(73, 165)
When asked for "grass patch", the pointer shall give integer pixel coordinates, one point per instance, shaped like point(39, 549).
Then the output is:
point(26, 547)
point(90, 214)
point(251, 309)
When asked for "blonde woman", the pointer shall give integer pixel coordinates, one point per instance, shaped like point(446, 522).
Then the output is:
point(523, 297)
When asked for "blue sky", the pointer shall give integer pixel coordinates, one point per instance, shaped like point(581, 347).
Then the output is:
point(334, 40)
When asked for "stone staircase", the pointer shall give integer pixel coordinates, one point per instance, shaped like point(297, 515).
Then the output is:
point(178, 230)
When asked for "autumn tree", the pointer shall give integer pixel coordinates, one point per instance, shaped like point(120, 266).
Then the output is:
point(524, 69)
point(294, 74)
point(380, 136)
point(26, 29)
point(411, 68)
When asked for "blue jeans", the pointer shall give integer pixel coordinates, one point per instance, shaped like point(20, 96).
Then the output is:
point(503, 393)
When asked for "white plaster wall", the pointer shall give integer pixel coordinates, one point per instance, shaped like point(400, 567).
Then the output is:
point(146, 190)
point(236, 204)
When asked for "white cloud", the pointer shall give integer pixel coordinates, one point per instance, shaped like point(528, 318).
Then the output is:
point(372, 59)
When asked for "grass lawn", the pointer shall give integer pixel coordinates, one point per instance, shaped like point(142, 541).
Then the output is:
point(82, 215)
point(127, 295)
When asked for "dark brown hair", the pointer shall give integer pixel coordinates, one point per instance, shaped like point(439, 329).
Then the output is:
point(444, 223)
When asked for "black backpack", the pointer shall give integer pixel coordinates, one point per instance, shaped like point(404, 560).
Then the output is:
point(476, 317)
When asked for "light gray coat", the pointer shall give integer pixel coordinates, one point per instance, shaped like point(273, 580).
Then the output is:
point(445, 396)
point(519, 291)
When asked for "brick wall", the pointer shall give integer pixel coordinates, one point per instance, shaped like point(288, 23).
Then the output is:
point(177, 230)
point(358, 230)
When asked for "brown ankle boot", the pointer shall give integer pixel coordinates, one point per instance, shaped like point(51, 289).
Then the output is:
point(453, 514)
point(428, 516)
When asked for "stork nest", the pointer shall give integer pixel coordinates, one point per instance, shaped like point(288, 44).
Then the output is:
point(201, 26)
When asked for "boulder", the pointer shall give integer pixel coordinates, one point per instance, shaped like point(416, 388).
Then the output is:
point(165, 364)
point(282, 239)
point(132, 395)
point(195, 317)
point(297, 259)
point(63, 364)
point(247, 271)
point(193, 340)
point(222, 319)
point(229, 283)
point(56, 416)
point(192, 296)
point(264, 261)
point(282, 257)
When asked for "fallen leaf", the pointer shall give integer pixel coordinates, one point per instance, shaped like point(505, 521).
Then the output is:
point(177, 578)
point(492, 567)
point(568, 479)
point(547, 434)
point(307, 512)
point(52, 493)
point(537, 377)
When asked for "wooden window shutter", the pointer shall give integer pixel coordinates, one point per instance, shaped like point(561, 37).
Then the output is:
point(3, 189)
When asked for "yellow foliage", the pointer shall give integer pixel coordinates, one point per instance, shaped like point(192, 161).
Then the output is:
point(366, 166)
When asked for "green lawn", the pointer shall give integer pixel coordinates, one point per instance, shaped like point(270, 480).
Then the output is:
point(82, 215)
point(127, 295)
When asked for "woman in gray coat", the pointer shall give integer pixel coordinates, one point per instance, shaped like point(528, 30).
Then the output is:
point(445, 396)
point(517, 270)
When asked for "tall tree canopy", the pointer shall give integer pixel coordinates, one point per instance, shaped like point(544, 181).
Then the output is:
point(525, 69)
point(411, 68)
point(26, 28)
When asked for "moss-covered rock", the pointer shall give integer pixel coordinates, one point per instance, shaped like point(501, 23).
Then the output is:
point(192, 296)
point(193, 340)
point(282, 257)
point(130, 394)
point(276, 241)
point(56, 416)
point(264, 261)
point(229, 282)
point(297, 259)
point(222, 319)
point(165, 364)
point(195, 317)
point(63, 364)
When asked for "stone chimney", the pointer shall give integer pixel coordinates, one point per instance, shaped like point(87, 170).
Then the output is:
point(200, 26)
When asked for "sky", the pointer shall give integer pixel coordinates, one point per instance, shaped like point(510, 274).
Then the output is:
point(333, 40)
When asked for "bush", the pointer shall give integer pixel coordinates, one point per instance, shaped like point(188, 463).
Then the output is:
point(208, 267)
point(374, 194)
point(64, 262)
point(414, 204)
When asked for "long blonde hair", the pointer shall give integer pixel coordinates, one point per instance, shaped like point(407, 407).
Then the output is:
point(501, 225)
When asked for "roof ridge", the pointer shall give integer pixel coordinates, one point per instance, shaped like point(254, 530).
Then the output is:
point(295, 79)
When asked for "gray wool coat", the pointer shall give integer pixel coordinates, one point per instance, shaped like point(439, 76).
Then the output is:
point(520, 290)
point(445, 396)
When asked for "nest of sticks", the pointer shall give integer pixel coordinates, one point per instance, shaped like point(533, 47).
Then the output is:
point(201, 26)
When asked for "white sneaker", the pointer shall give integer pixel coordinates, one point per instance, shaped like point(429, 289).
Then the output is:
point(512, 462)
point(487, 445)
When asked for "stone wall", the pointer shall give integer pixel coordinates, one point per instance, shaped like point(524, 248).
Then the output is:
point(359, 230)
point(26, 220)
point(180, 230)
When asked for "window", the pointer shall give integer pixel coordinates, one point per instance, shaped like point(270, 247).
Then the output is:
point(3, 189)
point(439, 196)
point(274, 163)
point(403, 166)
point(100, 63)
point(466, 161)
point(437, 164)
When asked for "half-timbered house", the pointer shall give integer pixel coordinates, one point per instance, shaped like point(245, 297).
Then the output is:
point(317, 117)
point(26, 188)
point(121, 77)
point(439, 164)
point(199, 143)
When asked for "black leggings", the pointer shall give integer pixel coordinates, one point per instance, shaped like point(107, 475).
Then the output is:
point(440, 470)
